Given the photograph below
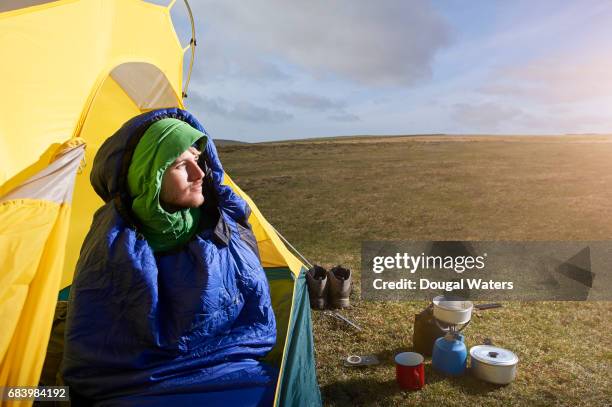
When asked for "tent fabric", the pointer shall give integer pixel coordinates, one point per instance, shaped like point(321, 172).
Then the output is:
point(8, 5)
point(55, 74)
point(34, 222)
point(145, 84)
point(298, 385)
point(79, 68)
point(82, 68)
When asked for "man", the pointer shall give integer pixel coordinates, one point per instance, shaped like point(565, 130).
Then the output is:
point(169, 302)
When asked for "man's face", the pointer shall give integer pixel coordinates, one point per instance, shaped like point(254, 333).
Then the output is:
point(182, 183)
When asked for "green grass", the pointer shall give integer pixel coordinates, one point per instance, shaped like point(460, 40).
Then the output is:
point(328, 196)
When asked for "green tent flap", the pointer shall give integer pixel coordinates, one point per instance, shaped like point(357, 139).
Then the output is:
point(298, 382)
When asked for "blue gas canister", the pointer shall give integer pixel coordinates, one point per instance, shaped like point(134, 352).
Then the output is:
point(450, 354)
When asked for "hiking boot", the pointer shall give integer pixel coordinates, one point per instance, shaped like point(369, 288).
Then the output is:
point(340, 280)
point(317, 281)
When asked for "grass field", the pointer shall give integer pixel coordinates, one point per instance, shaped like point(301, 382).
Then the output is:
point(327, 196)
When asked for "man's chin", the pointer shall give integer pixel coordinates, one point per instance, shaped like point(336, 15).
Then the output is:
point(194, 200)
point(196, 203)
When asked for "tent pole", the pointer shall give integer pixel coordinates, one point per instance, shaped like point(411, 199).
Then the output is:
point(291, 246)
point(192, 44)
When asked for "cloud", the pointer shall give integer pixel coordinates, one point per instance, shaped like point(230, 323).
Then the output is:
point(570, 122)
point(244, 111)
point(492, 116)
point(310, 101)
point(555, 79)
point(482, 116)
point(253, 113)
point(216, 63)
point(374, 43)
point(562, 60)
point(344, 117)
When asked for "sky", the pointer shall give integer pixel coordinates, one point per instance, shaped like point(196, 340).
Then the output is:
point(275, 70)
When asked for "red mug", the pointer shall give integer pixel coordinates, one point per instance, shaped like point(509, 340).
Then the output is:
point(409, 370)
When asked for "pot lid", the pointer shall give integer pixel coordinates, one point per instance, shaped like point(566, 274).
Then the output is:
point(492, 355)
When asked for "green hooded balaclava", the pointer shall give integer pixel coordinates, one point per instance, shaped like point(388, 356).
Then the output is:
point(160, 145)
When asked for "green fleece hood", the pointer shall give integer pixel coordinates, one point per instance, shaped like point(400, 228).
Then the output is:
point(160, 145)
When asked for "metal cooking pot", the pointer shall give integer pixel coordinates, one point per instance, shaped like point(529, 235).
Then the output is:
point(493, 364)
point(452, 310)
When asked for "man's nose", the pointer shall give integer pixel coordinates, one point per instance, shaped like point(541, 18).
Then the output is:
point(195, 172)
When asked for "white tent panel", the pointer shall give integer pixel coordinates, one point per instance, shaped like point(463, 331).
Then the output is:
point(146, 85)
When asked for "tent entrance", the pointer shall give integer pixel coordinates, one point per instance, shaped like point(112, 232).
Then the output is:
point(125, 92)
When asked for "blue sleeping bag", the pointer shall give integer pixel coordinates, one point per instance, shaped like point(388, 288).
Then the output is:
point(181, 327)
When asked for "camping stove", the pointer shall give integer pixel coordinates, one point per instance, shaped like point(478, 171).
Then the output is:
point(452, 315)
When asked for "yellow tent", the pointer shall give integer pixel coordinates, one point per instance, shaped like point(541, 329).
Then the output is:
point(72, 72)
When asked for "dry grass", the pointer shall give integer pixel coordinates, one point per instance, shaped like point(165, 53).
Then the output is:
point(328, 196)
